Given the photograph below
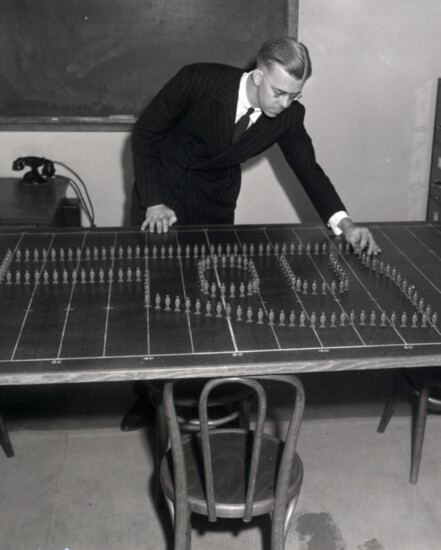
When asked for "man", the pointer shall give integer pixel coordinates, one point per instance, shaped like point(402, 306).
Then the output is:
point(187, 169)
point(187, 160)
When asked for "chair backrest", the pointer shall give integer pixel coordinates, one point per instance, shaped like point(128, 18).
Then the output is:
point(289, 447)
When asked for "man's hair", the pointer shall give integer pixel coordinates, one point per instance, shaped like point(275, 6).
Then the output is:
point(287, 52)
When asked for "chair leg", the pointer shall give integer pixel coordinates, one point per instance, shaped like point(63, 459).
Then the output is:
point(182, 540)
point(182, 531)
point(188, 539)
point(289, 513)
point(5, 442)
point(418, 435)
point(278, 532)
point(390, 405)
point(178, 539)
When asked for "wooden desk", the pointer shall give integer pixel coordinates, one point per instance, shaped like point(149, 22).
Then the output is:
point(31, 205)
point(74, 303)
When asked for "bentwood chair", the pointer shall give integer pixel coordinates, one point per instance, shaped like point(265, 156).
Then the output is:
point(425, 383)
point(233, 472)
point(226, 407)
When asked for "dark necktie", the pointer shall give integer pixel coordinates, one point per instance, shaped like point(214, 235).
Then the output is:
point(242, 124)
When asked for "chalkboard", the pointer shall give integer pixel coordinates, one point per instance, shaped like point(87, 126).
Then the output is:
point(87, 59)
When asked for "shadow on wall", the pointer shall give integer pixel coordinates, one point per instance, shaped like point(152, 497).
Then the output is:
point(287, 180)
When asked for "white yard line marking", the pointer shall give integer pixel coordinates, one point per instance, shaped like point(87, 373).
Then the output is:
point(436, 228)
point(190, 333)
point(109, 295)
point(74, 283)
point(147, 307)
point(230, 327)
point(423, 244)
point(29, 309)
point(413, 263)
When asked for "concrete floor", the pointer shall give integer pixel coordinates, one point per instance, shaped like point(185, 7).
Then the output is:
point(77, 482)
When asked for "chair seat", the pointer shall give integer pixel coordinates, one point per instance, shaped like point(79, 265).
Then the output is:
point(188, 391)
point(230, 450)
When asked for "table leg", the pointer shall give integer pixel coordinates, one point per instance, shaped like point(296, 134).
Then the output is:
point(5, 442)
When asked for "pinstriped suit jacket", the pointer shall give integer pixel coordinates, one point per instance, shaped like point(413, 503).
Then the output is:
point(184, 157)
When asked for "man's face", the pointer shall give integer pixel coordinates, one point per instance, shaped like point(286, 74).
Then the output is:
point(276, 89)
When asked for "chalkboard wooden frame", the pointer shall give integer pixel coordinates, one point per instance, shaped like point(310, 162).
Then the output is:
point(245, 36)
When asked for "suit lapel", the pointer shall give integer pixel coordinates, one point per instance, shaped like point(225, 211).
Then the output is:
point(219, 116)
point(220, 112)
point(256, 139)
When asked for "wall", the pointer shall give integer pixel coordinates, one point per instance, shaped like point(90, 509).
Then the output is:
point(370, 109)
point(371, 101)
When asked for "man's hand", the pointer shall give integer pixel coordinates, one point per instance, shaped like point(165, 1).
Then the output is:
point(159, 218)
point(359, 237)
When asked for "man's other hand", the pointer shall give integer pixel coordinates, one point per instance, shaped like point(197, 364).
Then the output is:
point(159, 218)
point(360, 238)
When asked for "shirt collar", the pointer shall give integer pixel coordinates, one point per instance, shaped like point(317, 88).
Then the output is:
point(243, 102)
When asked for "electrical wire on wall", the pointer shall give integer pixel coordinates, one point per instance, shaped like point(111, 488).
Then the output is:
point(86, 206)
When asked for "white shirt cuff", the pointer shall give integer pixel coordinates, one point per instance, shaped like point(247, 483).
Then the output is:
point(335, 219)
